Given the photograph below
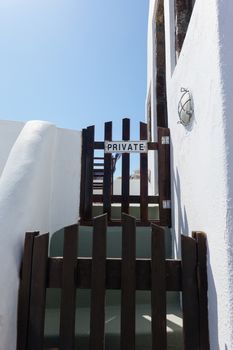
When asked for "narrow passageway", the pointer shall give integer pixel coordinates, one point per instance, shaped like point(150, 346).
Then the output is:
point(110, 281)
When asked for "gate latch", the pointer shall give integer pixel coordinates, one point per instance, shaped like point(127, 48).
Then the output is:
point(167, 204)
point(165, 140)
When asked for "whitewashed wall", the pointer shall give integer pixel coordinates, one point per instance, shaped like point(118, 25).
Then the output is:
point(39, 190)
point(225, 15)
point(9, 131)
point(202, 154)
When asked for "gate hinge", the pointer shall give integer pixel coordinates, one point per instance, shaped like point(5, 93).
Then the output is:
point(167, 204)
point(165, 140)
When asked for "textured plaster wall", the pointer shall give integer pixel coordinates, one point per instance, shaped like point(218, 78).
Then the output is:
point(202, 166)
point(225, 15)
point(39, 190)
point(9, 131)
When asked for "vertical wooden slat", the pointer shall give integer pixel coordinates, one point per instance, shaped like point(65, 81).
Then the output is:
point(24, 291)
point(190, 293)
point(128, 282)
point(68, 292)
point(164, 177)
point(38, 293)
point(200, 238)
point(107, 172)
point(125, 168)
point(83, 173)
point(98, 283)
point(89, 173)
point(143, 176)
point(158, 289)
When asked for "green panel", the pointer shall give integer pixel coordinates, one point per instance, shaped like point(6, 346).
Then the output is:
point(143, 239)
point(143, 308)
point(112, 325)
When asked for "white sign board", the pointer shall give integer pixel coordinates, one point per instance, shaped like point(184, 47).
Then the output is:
point(125, 146)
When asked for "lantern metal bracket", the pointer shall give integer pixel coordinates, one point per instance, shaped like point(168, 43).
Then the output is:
point(185, 107)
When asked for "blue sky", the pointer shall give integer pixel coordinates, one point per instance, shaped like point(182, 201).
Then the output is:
point(73, 62)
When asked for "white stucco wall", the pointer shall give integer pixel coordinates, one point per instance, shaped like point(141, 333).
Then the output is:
point(134, 187)
point(202, 166)
point(39, 190)
point(9, 131)
point(225, 15)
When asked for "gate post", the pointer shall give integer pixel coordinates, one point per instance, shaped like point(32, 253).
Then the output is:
point(143, 176)
point(125, 190)
point(107, 181)
point(164, 177)
point(202, 280)
point(190, 304)
point(88, 173)
point(83, 173)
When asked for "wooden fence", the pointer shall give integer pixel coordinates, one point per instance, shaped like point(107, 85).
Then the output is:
point(102, 166)
point(99, 273)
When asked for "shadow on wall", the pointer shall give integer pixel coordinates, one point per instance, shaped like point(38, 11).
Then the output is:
point(182, 227)
point(213, 310)
point(181, 215)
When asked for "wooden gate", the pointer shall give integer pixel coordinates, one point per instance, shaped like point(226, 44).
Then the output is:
point(97, 173)
point(99, 273)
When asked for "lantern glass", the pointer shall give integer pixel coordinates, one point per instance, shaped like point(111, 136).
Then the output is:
point(185, 107)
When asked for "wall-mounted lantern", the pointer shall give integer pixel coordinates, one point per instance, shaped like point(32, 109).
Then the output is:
point(185, 107)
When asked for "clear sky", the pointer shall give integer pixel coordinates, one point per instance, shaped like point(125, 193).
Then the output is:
point(73, 62)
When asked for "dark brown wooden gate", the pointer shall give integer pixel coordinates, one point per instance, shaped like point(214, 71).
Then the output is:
point(97, 173)
point(99, 273)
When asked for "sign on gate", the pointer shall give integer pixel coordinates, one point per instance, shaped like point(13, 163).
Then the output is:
point(97, 176)
point(125, 146)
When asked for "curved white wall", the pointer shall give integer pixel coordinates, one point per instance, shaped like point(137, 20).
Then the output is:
point(9, 131)
point(202, 165)
point(39, 190)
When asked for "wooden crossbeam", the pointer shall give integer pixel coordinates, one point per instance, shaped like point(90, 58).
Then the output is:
point(128, 274)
